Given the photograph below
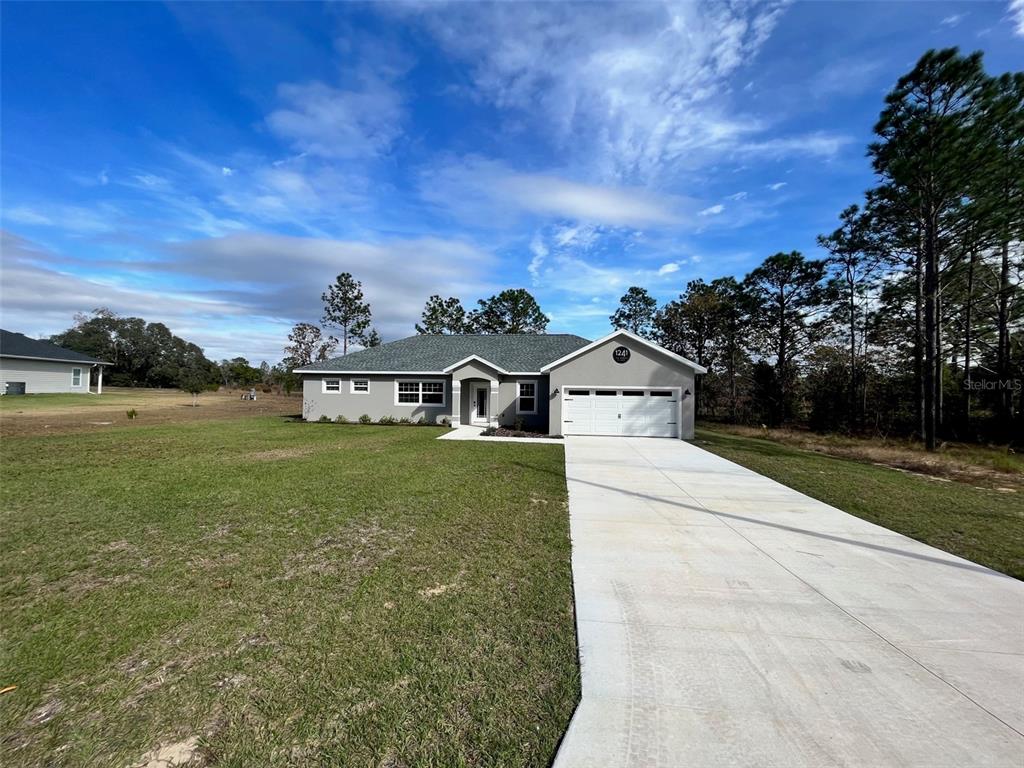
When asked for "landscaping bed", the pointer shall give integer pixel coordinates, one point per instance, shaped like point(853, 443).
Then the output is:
point(507, 432)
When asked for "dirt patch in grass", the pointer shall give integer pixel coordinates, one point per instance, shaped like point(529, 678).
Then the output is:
point(280, 454)
point(174, 755)
point(353, 551)
point(41, 415)
point(974, 465)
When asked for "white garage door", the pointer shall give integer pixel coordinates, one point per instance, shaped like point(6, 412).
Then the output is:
point(639, 412)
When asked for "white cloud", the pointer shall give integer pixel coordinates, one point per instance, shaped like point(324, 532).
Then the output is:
point(549, 195)
point(738, 196)
point(338, 123)
point(484, 191)
point(630, 92)
point(239, 286)
point(540, 252)
point(72, 218)
point(225, 171)
point(777, 186)
point(953, 19)
point(713, 210)
point(668, 269)
point(1016, 10)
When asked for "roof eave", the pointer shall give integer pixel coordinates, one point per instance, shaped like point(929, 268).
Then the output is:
point(55, 359)
point(632, 336)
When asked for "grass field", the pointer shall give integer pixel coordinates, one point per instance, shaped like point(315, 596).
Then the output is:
point(262, 592)
point(64, 413)
point(983, 524)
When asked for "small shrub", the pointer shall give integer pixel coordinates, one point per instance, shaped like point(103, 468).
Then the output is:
point(490, 431)
point(324, 419)
point(422, 422)
point(339, 419)
point(131, 413)
point(405, 420)
point(365, 419)
point(446, 421)
point(517, 425)
point(387, 420)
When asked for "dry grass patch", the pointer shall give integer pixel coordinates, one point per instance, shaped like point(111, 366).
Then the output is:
point(989, 467)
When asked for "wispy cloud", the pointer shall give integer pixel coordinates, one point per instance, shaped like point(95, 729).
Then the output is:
point(634, 92)
point(713, 210)
point(1016, 10)
point(953, 19)
point(338, 123)
point(777, 186)
point(473, 185)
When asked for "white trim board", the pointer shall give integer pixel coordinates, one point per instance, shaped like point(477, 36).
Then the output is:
point(407, 373)
point(421, 404)
point(632, 337)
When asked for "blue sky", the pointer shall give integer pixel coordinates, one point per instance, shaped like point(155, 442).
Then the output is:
point(213, 166)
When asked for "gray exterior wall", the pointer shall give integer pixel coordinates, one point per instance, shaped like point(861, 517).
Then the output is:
point(42, 375)
point(646, 368)
point(380, 401)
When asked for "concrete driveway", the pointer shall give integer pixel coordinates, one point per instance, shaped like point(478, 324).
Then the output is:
point(727, 620)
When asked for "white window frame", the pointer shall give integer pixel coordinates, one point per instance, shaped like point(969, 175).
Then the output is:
point(327, 391)
point(77, 373)
point(519, 396)
point(419, 403)
point(352, 387)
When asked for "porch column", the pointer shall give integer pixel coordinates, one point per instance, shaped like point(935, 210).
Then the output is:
point(99, 382)
point(492, 408)
point(456, 417)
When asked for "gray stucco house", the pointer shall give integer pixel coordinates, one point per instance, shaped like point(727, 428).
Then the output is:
point(555, 383)
point(30, 366)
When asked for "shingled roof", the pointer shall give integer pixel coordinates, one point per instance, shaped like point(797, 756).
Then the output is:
point(517, 352)
point(19, 345)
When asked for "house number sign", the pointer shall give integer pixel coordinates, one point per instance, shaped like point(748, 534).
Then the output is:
point(620, 355)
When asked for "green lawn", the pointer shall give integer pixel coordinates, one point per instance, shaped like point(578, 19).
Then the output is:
point(292, 594)
point(981, 524)
point(30, 403)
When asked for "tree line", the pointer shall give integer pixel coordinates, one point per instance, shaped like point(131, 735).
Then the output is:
point(347, 312)
point(912, 323)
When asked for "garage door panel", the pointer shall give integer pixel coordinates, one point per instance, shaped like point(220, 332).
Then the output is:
point(642, 413)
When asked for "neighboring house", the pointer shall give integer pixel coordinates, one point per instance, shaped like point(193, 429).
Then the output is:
point(554, 383)
point(30, 366)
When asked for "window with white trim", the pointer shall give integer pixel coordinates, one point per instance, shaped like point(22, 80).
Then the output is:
point(76, 377)
point(332, 385)
point(419, 393)
point(526, 403)
point(360, 386)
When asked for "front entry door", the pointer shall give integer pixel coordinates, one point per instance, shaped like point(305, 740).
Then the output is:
point(481, 397)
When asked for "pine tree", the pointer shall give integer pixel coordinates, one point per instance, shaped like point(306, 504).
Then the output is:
point(346, 310)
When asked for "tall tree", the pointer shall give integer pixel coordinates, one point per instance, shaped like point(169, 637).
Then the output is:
point(786, 293)
point(925, 154)
point(1000, 191)
point(443, 316)
point(346, 310)
point(513, 310)
point(854, 262)
point(636, 312)
point(308, 345)
point(372, 338)
point(143, 354)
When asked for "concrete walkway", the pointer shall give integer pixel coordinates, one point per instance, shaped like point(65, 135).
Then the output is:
point(466, 432)
point(727, 620)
